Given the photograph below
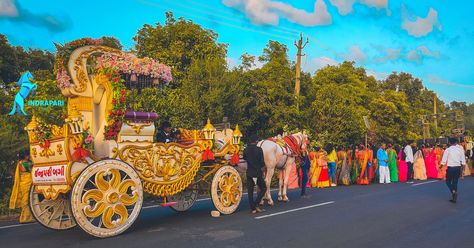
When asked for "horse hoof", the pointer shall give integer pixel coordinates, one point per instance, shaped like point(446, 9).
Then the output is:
point(285, 201)
point(271, 204)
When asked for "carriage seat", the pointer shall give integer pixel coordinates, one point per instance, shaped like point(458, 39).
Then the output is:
point(138, 126)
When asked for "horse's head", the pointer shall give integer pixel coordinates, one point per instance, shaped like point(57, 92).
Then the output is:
point(303, 141)
point(26, 77)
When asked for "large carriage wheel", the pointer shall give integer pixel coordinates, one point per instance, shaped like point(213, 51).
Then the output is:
point(226, 189)
point(107, 198)
point(54, 214)
point(185, 199)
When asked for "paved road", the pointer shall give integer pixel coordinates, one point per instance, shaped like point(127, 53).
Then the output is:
point(396, 215)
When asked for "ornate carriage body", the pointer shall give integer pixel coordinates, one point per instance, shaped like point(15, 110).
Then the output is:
point(80, 176)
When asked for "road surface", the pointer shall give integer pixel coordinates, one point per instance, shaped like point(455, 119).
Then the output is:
point(396, 215)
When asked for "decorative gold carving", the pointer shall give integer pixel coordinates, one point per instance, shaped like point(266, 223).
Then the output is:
point(110, 198)
point(52, 191)
point(79, 74)
point(46, 152)
point(57, 131)
point(191, 134)
point(165, 168)
point(137, 127)
point(34, 152)
point(82, 78)
point(59, 149)
point(226, 189)
point(82, 103)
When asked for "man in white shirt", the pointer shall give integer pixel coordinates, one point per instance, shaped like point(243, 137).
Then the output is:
point(455, 159)
point(409, 159)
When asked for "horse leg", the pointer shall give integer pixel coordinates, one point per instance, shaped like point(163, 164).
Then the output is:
point(22, 106)
point(268, 180)
point(280, 185)
point(286, 179)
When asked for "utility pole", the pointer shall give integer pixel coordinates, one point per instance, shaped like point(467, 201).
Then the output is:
point(300, 47)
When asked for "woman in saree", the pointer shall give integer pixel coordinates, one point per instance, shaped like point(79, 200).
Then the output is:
point(314, 170)
point(354, 165)
point(392, 163)
point(441, 169)
point(321, 172)
point(21, 188)
point(419, 169)
point(344, 176)
point(363, 157)
point(430, 163)
point(402, 167)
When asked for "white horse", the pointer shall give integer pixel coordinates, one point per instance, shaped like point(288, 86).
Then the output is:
point(282, 158)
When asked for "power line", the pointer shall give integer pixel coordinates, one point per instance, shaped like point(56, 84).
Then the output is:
point(215, 21)
point(290, 30)
point(277, 28)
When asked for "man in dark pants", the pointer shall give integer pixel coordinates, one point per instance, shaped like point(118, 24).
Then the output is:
point(304, 175)
point(455, 159)
point(408, 155)
point(255, 163)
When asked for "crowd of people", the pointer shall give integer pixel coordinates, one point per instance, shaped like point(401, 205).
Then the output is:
point(344, 165)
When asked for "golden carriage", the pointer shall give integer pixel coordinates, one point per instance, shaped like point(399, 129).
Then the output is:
point(83, 177)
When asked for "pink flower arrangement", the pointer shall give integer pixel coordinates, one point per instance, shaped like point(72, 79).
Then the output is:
point(129, 64)
point(88, 139)
point(63, 79)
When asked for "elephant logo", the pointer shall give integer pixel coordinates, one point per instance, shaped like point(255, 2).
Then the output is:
point(26, 86)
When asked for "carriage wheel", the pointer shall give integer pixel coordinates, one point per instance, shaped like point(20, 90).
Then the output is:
point(226, 190)
point(185, 199)
point(107, 198)
point(54, 214)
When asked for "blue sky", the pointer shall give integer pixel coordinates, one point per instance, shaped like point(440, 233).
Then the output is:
point(433, 40)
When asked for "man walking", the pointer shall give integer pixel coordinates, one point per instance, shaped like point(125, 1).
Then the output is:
point(408, 151)
point(454, 158)
point(255, 163)
point(382, 158)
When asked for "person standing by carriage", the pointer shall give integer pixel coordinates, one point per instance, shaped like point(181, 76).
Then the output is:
point(21, 187)
point(255, 164)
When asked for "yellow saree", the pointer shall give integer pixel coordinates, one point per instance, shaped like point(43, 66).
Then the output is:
point(20, 194)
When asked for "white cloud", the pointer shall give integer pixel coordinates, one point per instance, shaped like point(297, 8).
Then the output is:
point(231, 62)
point(269, 12)
point(414, 56)
point(344, 7)
point(437, 80)
point(389, 54)
point(318, 63)
point(354, 54)
point(8, 8)
point(422, 52)
point(420, 26)
point(428, 53)
point(377, 74)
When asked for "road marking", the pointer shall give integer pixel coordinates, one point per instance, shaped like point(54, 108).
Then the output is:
point(198, 200)
point(17, 225)
point(293, 210)
point(418, 184)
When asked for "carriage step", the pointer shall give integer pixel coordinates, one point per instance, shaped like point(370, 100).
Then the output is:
point(168, 204)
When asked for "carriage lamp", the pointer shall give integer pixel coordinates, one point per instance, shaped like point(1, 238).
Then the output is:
point(236, 135)
point(75, 121)
point(31, 129)
point(209, 130)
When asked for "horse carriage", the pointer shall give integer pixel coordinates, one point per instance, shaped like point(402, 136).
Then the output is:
point(94, 170)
